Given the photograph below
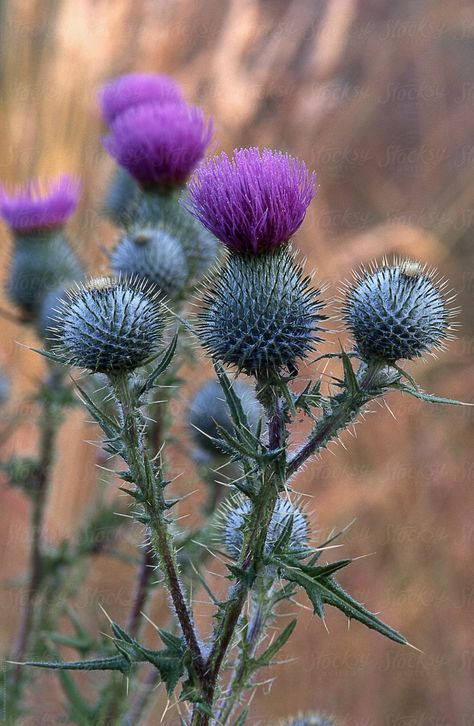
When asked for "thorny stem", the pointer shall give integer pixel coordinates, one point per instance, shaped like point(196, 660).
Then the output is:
point(237, 683)
point(49, 421)
point(154, 505)
point(251, 559)
point(343, 411)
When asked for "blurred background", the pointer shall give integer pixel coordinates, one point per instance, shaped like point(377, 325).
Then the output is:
point(378, 97)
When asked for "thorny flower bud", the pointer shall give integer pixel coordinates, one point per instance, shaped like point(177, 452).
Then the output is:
point(42, 257)
point(209, 408)
point(108, 326)
point(234, 517)
point(154, 256)
point(260, 314)
point(397, 311)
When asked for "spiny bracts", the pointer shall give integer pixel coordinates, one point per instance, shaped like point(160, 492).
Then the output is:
point(108, 326)
point(154, 256)
point(260, 314)
point(234, 516)
point(209, 409)
point(397, 311)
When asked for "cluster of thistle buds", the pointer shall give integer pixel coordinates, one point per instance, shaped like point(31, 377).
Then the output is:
point(220, 229)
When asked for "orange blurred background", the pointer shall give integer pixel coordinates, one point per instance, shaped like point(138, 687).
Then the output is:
point(378, 97)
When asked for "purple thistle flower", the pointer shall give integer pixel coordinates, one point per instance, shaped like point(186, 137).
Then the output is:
point(253, 202)
point(31, 210)
point(134, 89)
point(159, 144)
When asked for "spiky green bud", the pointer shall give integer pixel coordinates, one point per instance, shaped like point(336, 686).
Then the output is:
point(261, 314)
point(108, 326)
point(153, 255)
point(209, 409)
point(397, 311)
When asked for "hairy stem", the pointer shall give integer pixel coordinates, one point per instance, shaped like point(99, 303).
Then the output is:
point(154, 506)
point(49, 423)
point(251, 559)
point(344, 409)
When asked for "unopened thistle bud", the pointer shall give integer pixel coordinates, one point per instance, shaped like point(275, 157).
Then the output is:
point(108, 326)
point(42, 258)
point(397, 311)
point(234, 518)
point(209, 409)
point(154, 256)
point(308, 719)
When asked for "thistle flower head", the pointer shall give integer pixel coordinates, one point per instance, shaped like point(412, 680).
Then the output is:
point(32, 210)
point(234, 517)
point(253, 202)
point(134, 89)
point(260, 314)
point(397, 311)
point(209, 409)
point(159, 145)
point(108, 326)
point(154, 256)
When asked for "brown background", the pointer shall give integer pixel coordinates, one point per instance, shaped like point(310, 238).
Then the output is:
point(377, 97)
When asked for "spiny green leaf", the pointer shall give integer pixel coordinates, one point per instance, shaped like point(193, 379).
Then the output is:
point(113, 663)
point(233, 401)
point(242, 718)
point(428, 396)
point(349, 375)
point(164, 363)
point(266, 657)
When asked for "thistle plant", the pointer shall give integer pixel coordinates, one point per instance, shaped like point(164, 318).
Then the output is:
point(260, 317)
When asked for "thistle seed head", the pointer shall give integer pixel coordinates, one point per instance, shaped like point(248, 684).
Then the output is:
point(397, 311)
point(108, 326)
point(253, 202)
point(260, 314)
point(209, 409)
point(154, 256)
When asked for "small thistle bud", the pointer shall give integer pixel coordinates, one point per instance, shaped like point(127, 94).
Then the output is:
point(234, 517)
point(159, 145)
point(254, 202)
point(134, 89)
point(158, 208)
point(154, 256)
point(121, 197)
point(308, 719)
point(397, 311)
point(261, 315)
point(209, 409)
point(42, 258)
point(108, 326)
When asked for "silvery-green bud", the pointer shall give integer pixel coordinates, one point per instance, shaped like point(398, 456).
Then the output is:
point(397, 311)
point(235, 515)
point(209, 409)
point(108, 326)
point(153, 255)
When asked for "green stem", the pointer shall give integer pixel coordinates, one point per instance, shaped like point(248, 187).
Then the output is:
point(251, 559)
point(49, 422)
point(345, 407)
point(154, 506)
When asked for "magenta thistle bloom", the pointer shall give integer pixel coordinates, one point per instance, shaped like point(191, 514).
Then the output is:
point(254, 202)
point(159, 144)
point(134, 89)
point(31, 210)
